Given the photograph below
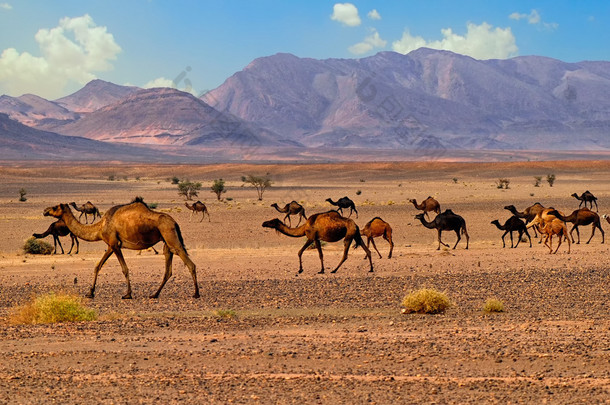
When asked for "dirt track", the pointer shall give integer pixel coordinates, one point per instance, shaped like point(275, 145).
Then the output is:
point(313, 338)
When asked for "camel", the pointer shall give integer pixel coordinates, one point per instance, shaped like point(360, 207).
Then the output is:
point(528, 214)
point(293, 208)
point(342, 203)
point(512, 224)
point(378, 227)
point(606, 217)
point(198, 207)
point(585, 198)
point(428, 205)
point(87, 208)
point(328, 227)
point(555, 227)
point(447, 221)
point(57, 229)
point(582, 216)
point(131, 226)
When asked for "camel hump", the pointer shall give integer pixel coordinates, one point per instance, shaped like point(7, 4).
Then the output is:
point(448, 211)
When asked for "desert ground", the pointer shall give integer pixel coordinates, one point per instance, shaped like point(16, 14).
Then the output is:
point(311, 338)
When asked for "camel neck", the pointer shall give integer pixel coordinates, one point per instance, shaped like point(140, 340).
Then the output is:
point(89, 233)
point(294, 232)
point(427, 224)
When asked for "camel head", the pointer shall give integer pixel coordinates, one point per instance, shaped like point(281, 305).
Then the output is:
point(56, 211)
point(495, 222)
point(575, 195)
point(274, 223)
point(420, 216)
point(274, 205)
point(330, 200)
point(511, 208)
point(73, 204)
point(411, 200)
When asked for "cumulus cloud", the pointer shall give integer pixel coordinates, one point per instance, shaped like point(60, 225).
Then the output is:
point(533, 18)
point(480, 42)
point(69, 53)
point(6, 6)
point(159, 82)
point(370, 42)
point(346, 14)
point(374, 15)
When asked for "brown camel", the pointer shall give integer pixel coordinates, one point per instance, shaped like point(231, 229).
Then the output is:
point(328, 227)
point(86, 209)
point(528, 214)
point(293, 208)
point(582, 216)
point(512, 224)
point(378, 227)
point(57, 229)
point(198, 207)
point(130, 226)
point(586, 197)
point(447, 221)
point(428, 205)
point(344, 202)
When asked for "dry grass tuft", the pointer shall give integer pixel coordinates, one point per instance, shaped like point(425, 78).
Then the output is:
point(37, 247)
point(52, 308)
point(426, 301)
point(493, 305)
point(225, 313)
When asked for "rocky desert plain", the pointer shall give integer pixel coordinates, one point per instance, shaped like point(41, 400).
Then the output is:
point(310, 338)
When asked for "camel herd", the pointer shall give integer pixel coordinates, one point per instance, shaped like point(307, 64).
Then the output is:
point(135, 226)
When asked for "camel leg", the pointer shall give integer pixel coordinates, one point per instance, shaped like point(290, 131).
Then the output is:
point(593, 232)
point(467, 236)
point(121, 259)
point(56, 242)
point(355, 210)
point(528, 236)
point(72, 237)
point(511, 240)
point(191, 266)
point(596, 207)
point(520, 233)
point(209, 218)
point(97, 269)
point(168, 270)
point(389, 239)
point(346, 243)
point(503, 235)
point(319, 247)
point(440, 242)
point(289, 220)
point(300, 254)
point(375, 246)
point(459, 237)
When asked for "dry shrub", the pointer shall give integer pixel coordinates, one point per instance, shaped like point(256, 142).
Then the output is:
point(37, 247)
point(426, 301)
point(493, 305)
point(52, 308)
point(226, 313)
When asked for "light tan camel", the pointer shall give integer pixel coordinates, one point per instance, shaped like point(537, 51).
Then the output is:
point(428, 205)
point(328, 227)
point(57, 229)
point(549, 225)
point(87, 209)
point(582, 217)
point(378, 227)
point(293, 208)
point(131, 226)
point(198, 207)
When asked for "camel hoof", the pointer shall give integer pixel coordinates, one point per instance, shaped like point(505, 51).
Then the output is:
point(90, 295)
point(196, 295)
point(322, 271)
point(371, 270)
point(153, 296)
point(126, 297)
point(300, 271)
point(334, 271)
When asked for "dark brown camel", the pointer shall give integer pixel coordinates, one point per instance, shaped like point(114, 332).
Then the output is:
point(428, 205)
point(198, 207)
point(131, 226)
point(447, 221)
point(512, 224)
point(581, 217)
point(585, 198)
point(344, 203)
point(87, 209)
point(57, 229)
point(378, 227)
point(327, 227)
point(293, 208)
point(528, 214)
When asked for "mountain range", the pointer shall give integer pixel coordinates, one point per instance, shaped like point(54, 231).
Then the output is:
point(422, 102)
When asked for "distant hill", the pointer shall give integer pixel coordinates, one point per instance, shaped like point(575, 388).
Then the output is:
point(427, 98)
point(32, 110)
point(95, 95)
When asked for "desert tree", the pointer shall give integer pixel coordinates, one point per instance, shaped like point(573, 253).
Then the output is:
point(188, 189)
point(22, 193)
point(550, 178)
point(538, 180)
point(260, 183)
point(218, 188)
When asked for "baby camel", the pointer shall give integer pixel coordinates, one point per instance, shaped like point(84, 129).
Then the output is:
point(198, 207)
point(292, 208)
point(57, 229)
point(512, 224)
point(327, 226)
point(378, 227)
point(132, 226)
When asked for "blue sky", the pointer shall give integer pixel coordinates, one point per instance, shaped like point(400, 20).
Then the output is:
point(53, 48)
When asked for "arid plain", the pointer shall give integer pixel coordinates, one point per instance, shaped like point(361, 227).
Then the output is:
point(312, 338)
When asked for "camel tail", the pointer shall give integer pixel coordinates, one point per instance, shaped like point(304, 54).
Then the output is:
point(358, 238)
point(180, 238)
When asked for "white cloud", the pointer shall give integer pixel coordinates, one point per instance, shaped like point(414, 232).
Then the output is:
point(533, 18)
point(6, 6)
point(70, 53)
point(480, 42)
point(374, 15)
point(159, 82)
point(346, 14)
point(370, 42)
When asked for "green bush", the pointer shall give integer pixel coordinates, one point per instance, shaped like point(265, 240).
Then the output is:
point(37, 247)
point(426, 301)
point(53, 308)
